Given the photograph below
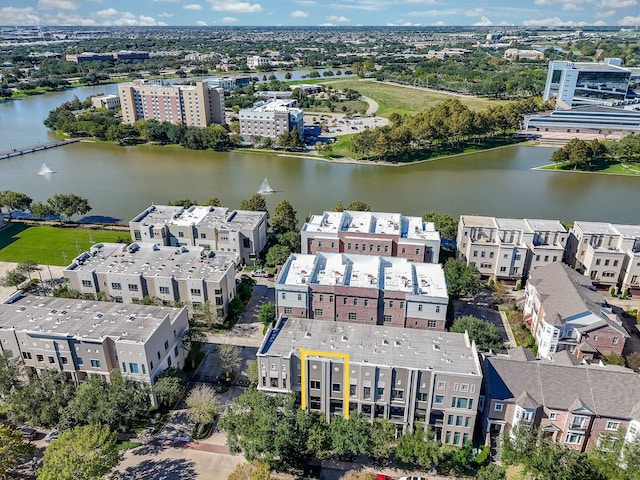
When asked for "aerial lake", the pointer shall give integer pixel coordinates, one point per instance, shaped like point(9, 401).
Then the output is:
point(121, 181)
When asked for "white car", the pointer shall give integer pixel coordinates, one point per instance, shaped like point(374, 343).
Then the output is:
point(412, 478)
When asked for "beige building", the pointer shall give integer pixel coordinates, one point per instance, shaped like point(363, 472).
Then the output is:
point(255, 61)
point(372, 233)
point(363, 289)
point(516, 53)
point(271, 119)
point(379, 371)
point(83, 338)
point(508, 249)
point(606, 253)
point(193, 105)
point(106, 101)
point(128, 273)
point(240, 232)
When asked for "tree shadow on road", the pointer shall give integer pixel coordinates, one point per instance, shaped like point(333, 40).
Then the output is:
point(169, 469)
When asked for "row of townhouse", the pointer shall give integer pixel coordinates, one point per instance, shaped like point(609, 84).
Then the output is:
point(128, 273)
point(84, 338)
point(364, 289)
point(565, 312)
point(382, 372)
point(372, 233)
point(509, 249)
point(241, 232)
point(572, 403)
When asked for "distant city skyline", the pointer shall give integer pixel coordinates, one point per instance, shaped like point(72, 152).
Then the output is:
point(489, 13)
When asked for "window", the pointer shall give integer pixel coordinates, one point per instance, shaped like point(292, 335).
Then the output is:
point(175, 351)
point(166, 345)
point(420, 307)
point(380, 391)
point(355, 301)
point(447, 438)
point(439, 399)
point(456, 438)
point(615, 263)
point(133, 287)
point(133, 368)
point(348, 246)
point(366, 392)
point(397, 394)
point(288, 310)
point(467, 422)
point(95, 363)
point(64, 360)
point(116, 286)
point(196, 292)
point(503, 269)
point(366, 302)
point(401, 304)
point(458, 421)
point(40, 358)
point(498, 407)
point(352, 316)
point(615, 340)
point(553, 415)
point(299, 296)
point(321, 298)
point(203, 235)
point(51, 359)
point(475, 253)
point(386, 248)
point(441, 385)
point(315, 384)
point(317, 312)
point(437, 309)
point(490, 254)
point(352, 390)
point(390, 303)
point(344, 301)
point(432, 323)
point(387, 318)
point(169, 361)
point(574, 438)
point(335, 387)
point(79, 359)
point(423, 397)
point(283, 296)
point(450, 420)
point(612, 425)
point(164, 290)
point(181, 234)
point(86, 283)
point(118, 299)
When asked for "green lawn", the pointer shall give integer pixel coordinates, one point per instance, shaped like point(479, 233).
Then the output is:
point(44, 244)
point(399, 99)
point(603, 166)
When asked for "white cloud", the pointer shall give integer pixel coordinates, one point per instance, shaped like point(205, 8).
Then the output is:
point(307, 3)
point(326, 25)
point(619, 3)
point(362, 4)
point(607, 14)
point(400, 23)
point(165, 15)
point(58, 4)
point(299, 14)
point(19, 16)
point(109, 12)
point(552, 22)
point(571, 7)
point(229, 20)
point(193, 6)
point(66, 20)
point(439, 23)
point(630, 21)
point(234, 6)
point(484, 22)
point(166, 1)
point(201, 23)
point(338, 19)
point(422, 2)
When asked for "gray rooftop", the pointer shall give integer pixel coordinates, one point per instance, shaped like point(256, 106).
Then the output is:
point(604, 391)
point(149, 260)
point(84, 319)
point(374, 345)
point(203, 216)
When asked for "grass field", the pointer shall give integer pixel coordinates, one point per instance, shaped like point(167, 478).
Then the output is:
point(399, 99)
point(632, 169)
point(45, 244)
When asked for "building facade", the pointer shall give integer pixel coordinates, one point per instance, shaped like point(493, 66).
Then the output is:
point(379, 371)
point(271, 119)
point(364, 289)
point(508, 249)
point(129, 273)
point(240, 232)
point(84, 338)
point(106, 101)
point(564, 312)
point(371, 233)
point(573, 404)
point(606, 253)
point(193, 105)
point(255, 61)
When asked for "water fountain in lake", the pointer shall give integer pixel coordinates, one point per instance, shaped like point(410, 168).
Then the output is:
point(265, 188)
point(45, 170)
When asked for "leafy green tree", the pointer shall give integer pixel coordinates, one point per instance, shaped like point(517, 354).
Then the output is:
point(633, 361)
point(13, 278)
point(267, 314)
point(229, 358)
point(338, 207)
point(444, 223)
point(491, 471)
point(236, 308)
point(359, 206)
point(14, 201)
point(350, 437)
point(83, 453)
point(42, 210)
point(613, 358)
point(383, 435)
point(485, 334)
point(213, 202)
point(13, 449)
point(205, 314)
point(170, 386)
point(277, 255)
point(253, 373)
point(417, 447)
point(462, 278)
point(28, 267)
point(359, 475)
point(289, 140)
point(69, 205)
point(318, 436)
point(256, 203)
point(193, 341)
point(10, 374)
point(202, 405)
point(251, 470)
point(519, 445)
point(291, 240)
point(184, 203)
point(284, 218)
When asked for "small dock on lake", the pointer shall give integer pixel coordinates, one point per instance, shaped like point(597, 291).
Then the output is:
point(35, 148)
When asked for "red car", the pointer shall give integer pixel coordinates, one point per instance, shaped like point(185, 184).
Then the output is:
point(380, 476)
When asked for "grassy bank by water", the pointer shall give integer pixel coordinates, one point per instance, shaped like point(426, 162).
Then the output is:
point(597, 166)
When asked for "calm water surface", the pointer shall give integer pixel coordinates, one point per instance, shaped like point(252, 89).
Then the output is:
point(121, 181)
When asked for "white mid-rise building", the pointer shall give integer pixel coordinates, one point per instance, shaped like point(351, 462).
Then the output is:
point(271, 119)
point(255, 61)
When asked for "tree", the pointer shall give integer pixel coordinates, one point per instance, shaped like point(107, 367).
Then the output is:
point(277, 255)
point(284, 218)
point(443, 223)
point(359, 475)
point(253, 372)
point(491, 471)
point(83, 453)
point(291, 240)
point(267, 314)
point(256, 203)
point(170, 386)
point(383, 434)
point(462, 278)
point(289, 140)
point(28, 267)
point(359, 206)
point(338, 207)
point(202, 405)
point(184, 203)
point(350, 437)
point(613, 358)
point(485, 334)
point(418, 447)
point(42, 210)
point(13, 278)
point(254, 470)
point(69, 205)
point(12, 448)
point(10, 373)
point(213, 202)
point(192, 342)
point(229, 358)
point(14, 201)
point(633, 361)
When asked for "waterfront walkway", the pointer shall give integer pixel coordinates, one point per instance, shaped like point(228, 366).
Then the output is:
point(36, 148)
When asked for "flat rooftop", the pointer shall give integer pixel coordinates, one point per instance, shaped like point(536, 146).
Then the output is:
point(277, 105)
point(365, 271)
point(372, 222)
point(149, 260)
point(84, 319)
point(478, 221)
point(374, 345)
point(158, 214)
point(596, 228)
point(540, 225)
point(632, 231)
point(219, 217)
point(513, 224)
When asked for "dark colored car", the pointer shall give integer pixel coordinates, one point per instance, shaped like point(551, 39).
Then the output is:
point(29, 433)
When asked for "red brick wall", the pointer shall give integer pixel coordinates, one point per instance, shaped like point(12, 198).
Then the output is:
point(352, 300)
point(602, 339)
point(397, 312)
point(423, 324)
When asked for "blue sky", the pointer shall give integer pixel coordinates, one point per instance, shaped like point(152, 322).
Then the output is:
point(573, 13)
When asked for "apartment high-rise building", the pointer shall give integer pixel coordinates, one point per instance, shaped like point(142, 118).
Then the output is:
point(372, 233)
point(271, 119)
point(379, 371)
point(196, 105)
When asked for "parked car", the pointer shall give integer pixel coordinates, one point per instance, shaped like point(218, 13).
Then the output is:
point(51, 436)
point(29, 433)
point(382, 476)
point(412, 478)
point(261, 273)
